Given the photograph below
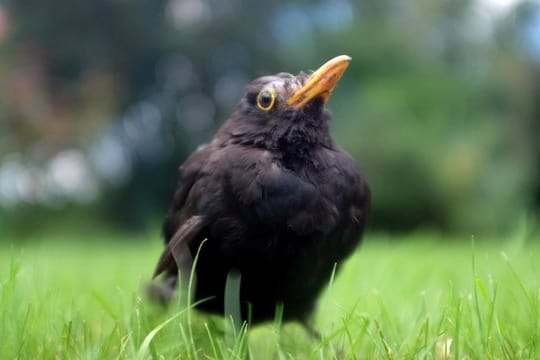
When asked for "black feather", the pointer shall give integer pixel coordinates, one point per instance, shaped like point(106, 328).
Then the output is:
point(276, 200)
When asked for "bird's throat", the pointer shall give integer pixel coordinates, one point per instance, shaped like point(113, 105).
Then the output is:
point(298, 145)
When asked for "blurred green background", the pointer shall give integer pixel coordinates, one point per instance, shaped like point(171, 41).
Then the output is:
point(101, 101)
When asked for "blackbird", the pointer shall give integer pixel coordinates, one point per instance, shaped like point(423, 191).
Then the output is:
point(271, 198)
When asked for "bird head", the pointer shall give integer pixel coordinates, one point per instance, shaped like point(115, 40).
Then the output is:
point(281, 111)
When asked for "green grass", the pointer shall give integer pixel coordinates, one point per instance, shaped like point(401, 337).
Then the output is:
point(419, 297)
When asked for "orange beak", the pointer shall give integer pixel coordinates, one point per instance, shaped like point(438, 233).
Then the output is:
point(321, 82)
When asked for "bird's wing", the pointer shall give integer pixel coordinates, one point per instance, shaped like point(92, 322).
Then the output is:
point(181, 225)
point(354, 191)
point(345, 195)
point(351, 182)
point(177, 248)
point(188, 174)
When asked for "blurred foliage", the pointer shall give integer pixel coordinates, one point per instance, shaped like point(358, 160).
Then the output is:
point(440, 105)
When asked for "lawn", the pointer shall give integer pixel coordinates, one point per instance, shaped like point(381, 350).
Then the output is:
point(415, 296)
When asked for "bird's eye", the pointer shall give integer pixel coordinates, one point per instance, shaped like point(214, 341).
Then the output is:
point(266, 99)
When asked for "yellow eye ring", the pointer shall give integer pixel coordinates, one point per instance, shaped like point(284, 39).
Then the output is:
point(266, 99)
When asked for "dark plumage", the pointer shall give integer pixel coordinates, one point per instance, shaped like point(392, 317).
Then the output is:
point(275, 198)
